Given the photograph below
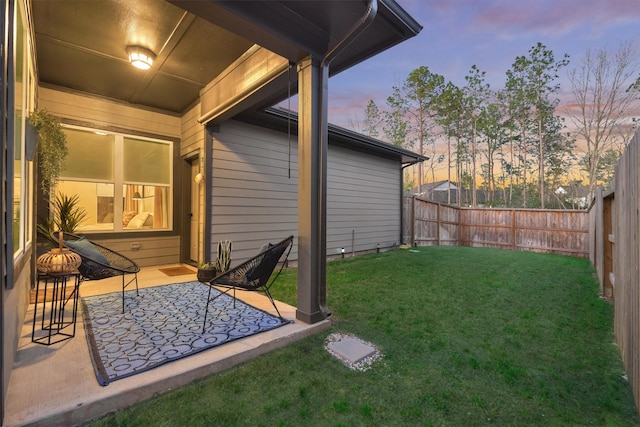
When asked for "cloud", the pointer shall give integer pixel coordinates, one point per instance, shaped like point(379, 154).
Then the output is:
point(488, 33)
point(348, 109)
point(513, 19)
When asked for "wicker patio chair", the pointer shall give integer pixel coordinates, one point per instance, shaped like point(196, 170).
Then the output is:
point(100, 262)
point(252, 275)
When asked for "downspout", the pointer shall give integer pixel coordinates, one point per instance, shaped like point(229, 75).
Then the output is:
point(357, 28)
point(402, 168)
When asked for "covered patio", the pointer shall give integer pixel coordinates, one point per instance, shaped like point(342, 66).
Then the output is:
point(56, 385)
point(213, 61)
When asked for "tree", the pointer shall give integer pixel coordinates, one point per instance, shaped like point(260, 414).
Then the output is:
point(530, 86)
point(542, 71)
point(396, 125)
point(636, 85)
point(448, 115)
point(476, 94)
point(606, 165)
point(507, 160)
point(520, 106)
point(492, 127)
point(559, 157)
point(421, 91)
point(372, 119)
point(602, 104)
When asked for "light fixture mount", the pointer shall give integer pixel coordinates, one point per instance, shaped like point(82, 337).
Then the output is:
point(140, 57)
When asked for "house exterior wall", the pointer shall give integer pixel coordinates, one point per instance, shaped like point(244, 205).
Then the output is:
point(17, 59)
point(253, 198)
point(192, 144)
point(18, 98)
point(15, 302)
point(156, 249)
point(191, 132)
point(363, 201)
point(100, 113)
point(255, 201)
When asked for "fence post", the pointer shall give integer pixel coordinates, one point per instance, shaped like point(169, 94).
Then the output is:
point(513, 229)
point(438, 223)
point(597, 240)
point(462, 229)
point(413, 220)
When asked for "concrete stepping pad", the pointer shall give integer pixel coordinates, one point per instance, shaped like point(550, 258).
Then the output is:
point(352, 351)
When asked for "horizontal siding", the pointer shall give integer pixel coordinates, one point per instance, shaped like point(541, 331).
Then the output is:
point(192, 132)
point(103, 113)
point(363, 201)
point(255, 201)
point(153, 250)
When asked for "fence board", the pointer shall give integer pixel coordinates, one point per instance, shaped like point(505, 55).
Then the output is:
point(553, 231)
point(625, 277)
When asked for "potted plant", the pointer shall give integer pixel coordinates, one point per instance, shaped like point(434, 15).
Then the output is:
point(209, 270)
point(52, 147)
point(67, 216)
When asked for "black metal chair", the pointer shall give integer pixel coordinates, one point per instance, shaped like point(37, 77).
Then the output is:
point(100, 262)
point(252, 275)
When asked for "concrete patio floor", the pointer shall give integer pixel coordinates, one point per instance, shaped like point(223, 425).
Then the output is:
point(56, 385)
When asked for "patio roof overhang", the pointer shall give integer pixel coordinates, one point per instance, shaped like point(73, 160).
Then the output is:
point(82, 46)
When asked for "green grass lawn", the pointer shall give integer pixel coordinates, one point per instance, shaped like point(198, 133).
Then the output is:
point(469, 336)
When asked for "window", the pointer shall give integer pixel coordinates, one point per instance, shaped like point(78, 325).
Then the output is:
point(123, 182)
point(23, 91)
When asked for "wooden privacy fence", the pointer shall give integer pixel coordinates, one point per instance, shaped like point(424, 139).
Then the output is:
point(427, 223)
point(616, 256)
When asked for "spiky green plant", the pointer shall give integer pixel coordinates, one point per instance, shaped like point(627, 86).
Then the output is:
point(223, 262)
point(67, 214)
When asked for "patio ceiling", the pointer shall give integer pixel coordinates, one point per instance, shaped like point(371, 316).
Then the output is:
point(81, 45)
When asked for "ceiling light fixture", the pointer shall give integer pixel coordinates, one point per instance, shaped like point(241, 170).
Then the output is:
point(140, 57)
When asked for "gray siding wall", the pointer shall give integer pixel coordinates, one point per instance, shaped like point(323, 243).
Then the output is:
point(255, 201)
point(191, 132)
point(102, 113)
point(363, 201)
point(147, 251)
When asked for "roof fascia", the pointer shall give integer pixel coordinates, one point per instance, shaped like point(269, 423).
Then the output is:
point(262, 22)
point(282, 120)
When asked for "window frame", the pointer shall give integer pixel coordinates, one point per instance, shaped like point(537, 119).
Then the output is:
point(21, 105)
point(118, 180)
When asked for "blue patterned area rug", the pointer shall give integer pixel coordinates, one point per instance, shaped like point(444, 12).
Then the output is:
point(161, 325)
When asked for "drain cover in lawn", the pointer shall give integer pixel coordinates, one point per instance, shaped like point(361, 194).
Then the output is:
point(352, 351)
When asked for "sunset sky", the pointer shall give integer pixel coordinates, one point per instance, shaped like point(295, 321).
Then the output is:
point(488, 33)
